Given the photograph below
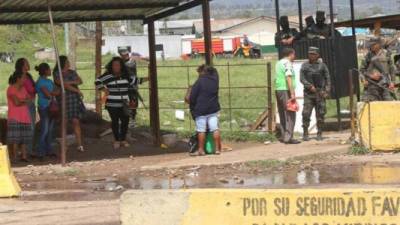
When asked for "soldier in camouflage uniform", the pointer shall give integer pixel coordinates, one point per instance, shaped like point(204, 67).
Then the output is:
point(131, 67)
point(308, 32)
point(322, 30)
point(314, 75)
point(378, 73)
point(286, 35)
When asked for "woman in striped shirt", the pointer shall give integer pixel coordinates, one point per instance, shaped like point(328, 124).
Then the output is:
point(115, 82)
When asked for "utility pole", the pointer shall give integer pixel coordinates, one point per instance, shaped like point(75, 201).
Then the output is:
point(99, 44)
point(73, 42)
point(66, 38)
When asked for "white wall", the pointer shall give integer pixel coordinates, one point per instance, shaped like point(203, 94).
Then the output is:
point(261, 32)
point(172, 45)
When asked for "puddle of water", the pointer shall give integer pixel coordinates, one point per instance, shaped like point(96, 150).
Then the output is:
point(341, 174)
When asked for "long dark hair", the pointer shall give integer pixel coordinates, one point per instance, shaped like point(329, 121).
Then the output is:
point(109, 70)
point(14, 77)
point(19, 64)
point(207, 70)
point(42, 68)
point(63, 61)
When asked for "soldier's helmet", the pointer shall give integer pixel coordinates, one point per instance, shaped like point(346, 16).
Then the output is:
point(313, 50)
point(124, 50)
point(310, 21)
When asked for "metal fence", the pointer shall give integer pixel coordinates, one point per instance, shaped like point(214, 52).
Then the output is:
point(245, 96)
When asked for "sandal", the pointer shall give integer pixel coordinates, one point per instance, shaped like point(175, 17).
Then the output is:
point(197, 154)
point(80, 149)
point(217, 153)
point(116, 145)
point(125, 144)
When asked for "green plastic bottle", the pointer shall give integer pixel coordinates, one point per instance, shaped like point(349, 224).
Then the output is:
point(209, 145)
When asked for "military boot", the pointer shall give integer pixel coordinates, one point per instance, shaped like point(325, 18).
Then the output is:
point(306, 136)
point(319, 136)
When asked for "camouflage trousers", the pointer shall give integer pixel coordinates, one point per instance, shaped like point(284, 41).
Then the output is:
point(375, 93)
point(311, 102)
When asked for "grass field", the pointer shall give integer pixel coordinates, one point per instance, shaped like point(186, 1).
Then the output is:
point(173, 79)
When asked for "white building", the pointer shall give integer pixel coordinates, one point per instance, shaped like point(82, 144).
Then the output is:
point(172, 45)
point(260, 30)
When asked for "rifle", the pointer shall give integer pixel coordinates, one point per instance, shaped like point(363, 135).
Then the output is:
point(380, 69)
point(370, 81)
point(137, 95)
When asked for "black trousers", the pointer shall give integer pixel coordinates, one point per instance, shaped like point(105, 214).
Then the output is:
point(119, 123)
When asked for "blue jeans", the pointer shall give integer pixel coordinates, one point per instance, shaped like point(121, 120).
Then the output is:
point(207, 122)
point(46, 132)
point(32, 113)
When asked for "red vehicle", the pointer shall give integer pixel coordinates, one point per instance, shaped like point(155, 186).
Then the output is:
point(220, 46)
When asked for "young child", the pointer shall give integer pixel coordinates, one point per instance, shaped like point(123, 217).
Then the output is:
point(19, 133)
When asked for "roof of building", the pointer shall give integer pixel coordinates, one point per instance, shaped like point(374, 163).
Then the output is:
point(222, 25)
point(36, 11)
point(388, 22)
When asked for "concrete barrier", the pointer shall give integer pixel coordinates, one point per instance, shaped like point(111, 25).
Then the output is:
point(261, 207)
point(379, 125)
point(8, 184)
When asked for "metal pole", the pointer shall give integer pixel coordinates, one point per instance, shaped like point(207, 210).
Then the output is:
point(333, 38)
point(230, 97)
point(278, 26)
point(353, 29)
point(99, 42)
point(269, 100)
point(188, 84)
point(332, 18)
point(300, 15)
point(351, 94)
point(63, 103)
point(154, 107)
point(207, 31)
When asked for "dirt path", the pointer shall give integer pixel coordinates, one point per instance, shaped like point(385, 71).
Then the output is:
point(334, 143)
point(76, 195)
point(16, 212)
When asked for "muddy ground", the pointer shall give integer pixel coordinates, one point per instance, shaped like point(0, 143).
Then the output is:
point(86, 192)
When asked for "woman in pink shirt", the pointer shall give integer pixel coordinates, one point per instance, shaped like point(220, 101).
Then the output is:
point(22, 67)
point(19, 133)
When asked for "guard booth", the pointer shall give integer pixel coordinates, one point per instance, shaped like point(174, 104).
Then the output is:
point(339, 53)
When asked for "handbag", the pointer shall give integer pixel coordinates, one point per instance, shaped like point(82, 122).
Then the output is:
point(292, 105)
point(54, 108)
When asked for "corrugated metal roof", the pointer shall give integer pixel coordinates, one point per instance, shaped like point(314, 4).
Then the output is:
point(35, 11)
point(388, 22)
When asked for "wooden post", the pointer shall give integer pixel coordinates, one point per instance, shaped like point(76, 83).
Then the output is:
point(154, 107)
point(207, 31)
point(269, 100)
point(63, 97)
point(99, 43)
point(73, 42)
